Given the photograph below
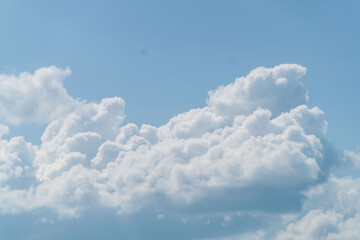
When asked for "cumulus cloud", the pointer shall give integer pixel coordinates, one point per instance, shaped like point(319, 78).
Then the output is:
point(255, 148)
point(277, 89)
point(332, 211)
point(38, 97)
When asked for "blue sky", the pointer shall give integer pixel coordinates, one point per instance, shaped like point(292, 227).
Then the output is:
point(152, 53)
point(250, 160)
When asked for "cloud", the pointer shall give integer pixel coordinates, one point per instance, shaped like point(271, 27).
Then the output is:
point(332, 211)
point(4, 130)
point(38, 97)
point(256, 235)
point(351, 158)
point(255, 148)
point(277, 89)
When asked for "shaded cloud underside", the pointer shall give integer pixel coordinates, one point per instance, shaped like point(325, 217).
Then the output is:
point(256, 152)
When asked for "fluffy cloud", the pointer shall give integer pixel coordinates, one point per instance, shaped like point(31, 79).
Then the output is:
point(38, 97)
point(254, 149)
point(331, 212)
point(277, 89)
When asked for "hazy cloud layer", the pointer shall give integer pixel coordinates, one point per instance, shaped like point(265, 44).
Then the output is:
point(253, 154)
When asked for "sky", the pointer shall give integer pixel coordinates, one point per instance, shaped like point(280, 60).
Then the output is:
point(179, 119)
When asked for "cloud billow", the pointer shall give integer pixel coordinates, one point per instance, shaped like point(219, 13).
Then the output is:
point(256, 147)
point(38, 97)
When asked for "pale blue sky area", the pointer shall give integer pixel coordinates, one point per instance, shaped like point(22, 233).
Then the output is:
point(162, 57)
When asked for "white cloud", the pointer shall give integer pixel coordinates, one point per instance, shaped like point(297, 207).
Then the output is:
point(315, 225)
point(331, 212)
point(4, 130)
point(254, 150)
point(86, 157)
point(277, 89)
point(256, 235)
point(16, 160)
point(38, 97)
point(351, 158)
